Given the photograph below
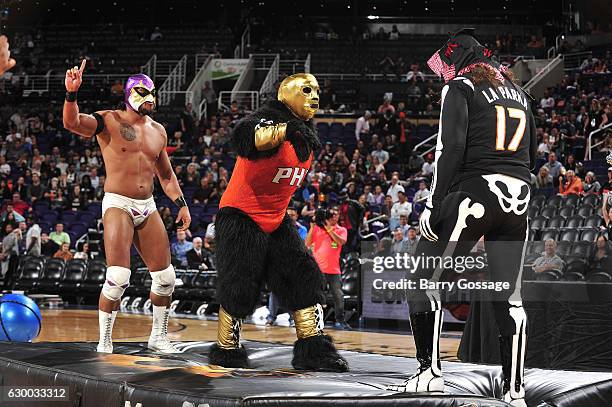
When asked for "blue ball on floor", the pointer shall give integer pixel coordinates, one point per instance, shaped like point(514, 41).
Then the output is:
point(20, 318)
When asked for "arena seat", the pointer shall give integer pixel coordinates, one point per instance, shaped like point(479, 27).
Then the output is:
point(555, 200)
point(589, 235)
point(549, 275)
point(533, 211)
point(593, 200)
point(74, 276)
point(550, 234)
point(571, 199)
point(568, 236)
point(593, 221)
point(203, 286)
point(538, 223)
point(181, 291)
point(566, 211)
point(555, 222)
point(600, 277)
point(52, 275)
point(574, 222)
point(575, 270)
point(582, 249)
point(94, 277)
point(536, 247)
point(29, 272)
point(538, 200)
point(548, 211)
point(137, 278)
point(585, 210)
point(564, 247)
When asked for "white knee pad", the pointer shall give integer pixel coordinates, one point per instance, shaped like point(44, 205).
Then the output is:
point(163, 281)
point(117, 280)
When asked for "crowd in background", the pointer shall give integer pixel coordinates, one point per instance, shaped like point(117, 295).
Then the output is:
point(42, 162)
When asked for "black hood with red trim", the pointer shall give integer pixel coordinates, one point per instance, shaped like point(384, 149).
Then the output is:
point(461, 52)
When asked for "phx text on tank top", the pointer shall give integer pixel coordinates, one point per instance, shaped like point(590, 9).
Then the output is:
point(262, 188)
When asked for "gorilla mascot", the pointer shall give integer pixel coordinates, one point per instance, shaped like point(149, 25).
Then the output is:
point(256, 241)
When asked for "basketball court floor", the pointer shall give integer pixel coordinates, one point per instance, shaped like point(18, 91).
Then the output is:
point(82, 326)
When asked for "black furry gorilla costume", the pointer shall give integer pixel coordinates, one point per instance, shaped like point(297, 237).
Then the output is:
point(256, 241)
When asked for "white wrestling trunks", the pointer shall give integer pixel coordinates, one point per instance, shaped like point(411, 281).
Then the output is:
point(138, 209)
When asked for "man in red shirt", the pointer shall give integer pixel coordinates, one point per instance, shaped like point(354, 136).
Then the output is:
point(257, 242)
point(326, 243)
point(19, 205)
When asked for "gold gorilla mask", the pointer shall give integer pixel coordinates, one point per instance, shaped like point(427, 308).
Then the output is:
point(300, 93)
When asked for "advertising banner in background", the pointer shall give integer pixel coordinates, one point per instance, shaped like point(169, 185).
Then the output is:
point(228, 68)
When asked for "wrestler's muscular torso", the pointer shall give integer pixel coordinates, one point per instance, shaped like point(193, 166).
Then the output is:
point(130, 152)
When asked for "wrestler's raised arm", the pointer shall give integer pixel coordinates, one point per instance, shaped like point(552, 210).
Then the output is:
point(6, 62)
point(85, 125)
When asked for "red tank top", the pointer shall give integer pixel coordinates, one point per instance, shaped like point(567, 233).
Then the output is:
point(262, 188)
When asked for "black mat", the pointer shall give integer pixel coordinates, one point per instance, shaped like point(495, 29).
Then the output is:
point(136, 375)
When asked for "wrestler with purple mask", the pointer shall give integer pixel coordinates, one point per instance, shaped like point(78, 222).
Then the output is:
point(134, 150)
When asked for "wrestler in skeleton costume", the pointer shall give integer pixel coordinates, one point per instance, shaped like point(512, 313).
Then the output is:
point(485, 149)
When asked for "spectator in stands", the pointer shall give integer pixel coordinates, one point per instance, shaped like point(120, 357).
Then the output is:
point(19, 205)
point(401, 207)
point(187, 122)
point(99, 191)
point(415, 163)
point(422, 194)
point(398, 241)
point(590, 184)
point(181, 247)
point(10, 248)
point(394, 34)
point(47, 246)
point(77, 199)
point(596, 118)
point(202, 193)
point(386, 106)
point(554, 167)
point(5, 191)
point(362, 127)
point(59, 236)
point(394, 188)
point(11, 216)
point(326, 242)
point(428, 166)
point(380, 154)
point(64, 253)
point(210, 95)
point(21, 188)
point(606, 188)
point(411, 242)
point(37, 189)
point(197, 257)
point(549, 259)
point(544, 179)
point(301, 229)
point(414, 73)
point(309, 209)
point(601, 259)
point(379, 196)
point(157, 35)
point(606, 211)
point(403, 225)
point(570, 185)
point(84, 253)
point(32, 239)
point(350, 217)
